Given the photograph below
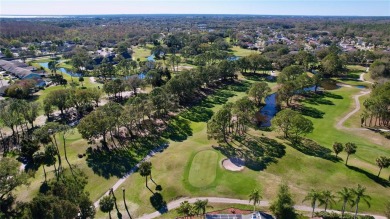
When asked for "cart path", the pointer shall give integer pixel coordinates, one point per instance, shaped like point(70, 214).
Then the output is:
point(132, 171)
point(340, 123)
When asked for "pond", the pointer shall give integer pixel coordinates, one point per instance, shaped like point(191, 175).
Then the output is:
point(271, 106)
point(268, 111)
point(140, 76)
point(233, 58)
point(62, 70)
point(361, 86)
point(151, 58)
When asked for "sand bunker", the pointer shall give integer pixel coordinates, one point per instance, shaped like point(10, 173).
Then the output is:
point(233, 164)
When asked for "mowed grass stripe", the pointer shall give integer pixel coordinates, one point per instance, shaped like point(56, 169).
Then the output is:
point(203, 168)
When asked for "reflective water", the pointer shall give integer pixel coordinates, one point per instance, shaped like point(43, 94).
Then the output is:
point(271, 108)
point(151, 58)
point(62, 70)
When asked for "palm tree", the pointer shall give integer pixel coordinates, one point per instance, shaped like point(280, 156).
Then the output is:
point(359, 195)
point(255, 196)
point(106, 204)
point(145, 169)
point(337, 148)
point(200, 206)
point(313, 196)
point(53, 66)
point(327, 198)
point(382, 162)
point(346, 196)
point(350, 148)
point(81, 80)
point(185, 209)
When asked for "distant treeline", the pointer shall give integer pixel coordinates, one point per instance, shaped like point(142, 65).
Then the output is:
point(136, 29)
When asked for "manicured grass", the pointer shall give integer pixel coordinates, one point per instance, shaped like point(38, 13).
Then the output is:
point(97, 185)
point(362, 165)
point(302, 172)
point(238, 51)
point(354, 120)
point(356, 68)
point(40, 96)
point(171, 169)
point(203, 168)
point(141, 53)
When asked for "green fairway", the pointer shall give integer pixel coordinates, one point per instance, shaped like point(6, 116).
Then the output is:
point(302, 171)
point(203, 168)
point(141, 53)
point(97, 184)
point(40, 96)
point(238, 51)
point(190, 165)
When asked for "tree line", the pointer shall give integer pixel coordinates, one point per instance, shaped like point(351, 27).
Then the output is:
point(377, 107)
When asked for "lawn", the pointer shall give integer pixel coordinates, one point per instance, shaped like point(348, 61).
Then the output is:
point(190, 150)
point(97, 184)
point(40, 96)
point(203, 168)
point(238, 51)
point(302, 171)
point(141, 53)
point(354, 120)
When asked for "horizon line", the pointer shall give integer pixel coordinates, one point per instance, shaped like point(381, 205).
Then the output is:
point(119, 14)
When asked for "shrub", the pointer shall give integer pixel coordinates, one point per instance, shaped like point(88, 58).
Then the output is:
point(334, 215)
point(21, 89)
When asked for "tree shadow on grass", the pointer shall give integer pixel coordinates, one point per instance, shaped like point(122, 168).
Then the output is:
point(158, 203)
point(383, 182)
point(316, 99)
point(142, 146)
point(216, 98)
point(108, 163)
point(312, 148)
point(197, 114)
point(258, 153)
point(178, 129)
point(238, 86)
point(120, 161)
point(332, 95)
point(255, 76)
point(44, 188)
point(309, 111)
point(206, 104)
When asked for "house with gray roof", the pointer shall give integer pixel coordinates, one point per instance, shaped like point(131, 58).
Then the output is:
point(21, 70)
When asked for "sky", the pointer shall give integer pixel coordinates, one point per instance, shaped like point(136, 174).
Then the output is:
point(254, 7)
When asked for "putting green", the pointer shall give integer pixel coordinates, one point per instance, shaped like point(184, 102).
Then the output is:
point(203, 168)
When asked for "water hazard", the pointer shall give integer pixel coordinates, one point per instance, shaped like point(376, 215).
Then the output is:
point(271, 108)
point(62, 70)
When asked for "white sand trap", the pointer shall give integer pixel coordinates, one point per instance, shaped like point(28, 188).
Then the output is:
point(233, 164)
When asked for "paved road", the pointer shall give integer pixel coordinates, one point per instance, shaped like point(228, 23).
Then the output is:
point(175, 204)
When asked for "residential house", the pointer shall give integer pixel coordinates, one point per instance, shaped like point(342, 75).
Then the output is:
point(23, 71)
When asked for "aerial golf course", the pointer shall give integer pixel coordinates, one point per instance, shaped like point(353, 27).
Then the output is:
point(191, 165)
